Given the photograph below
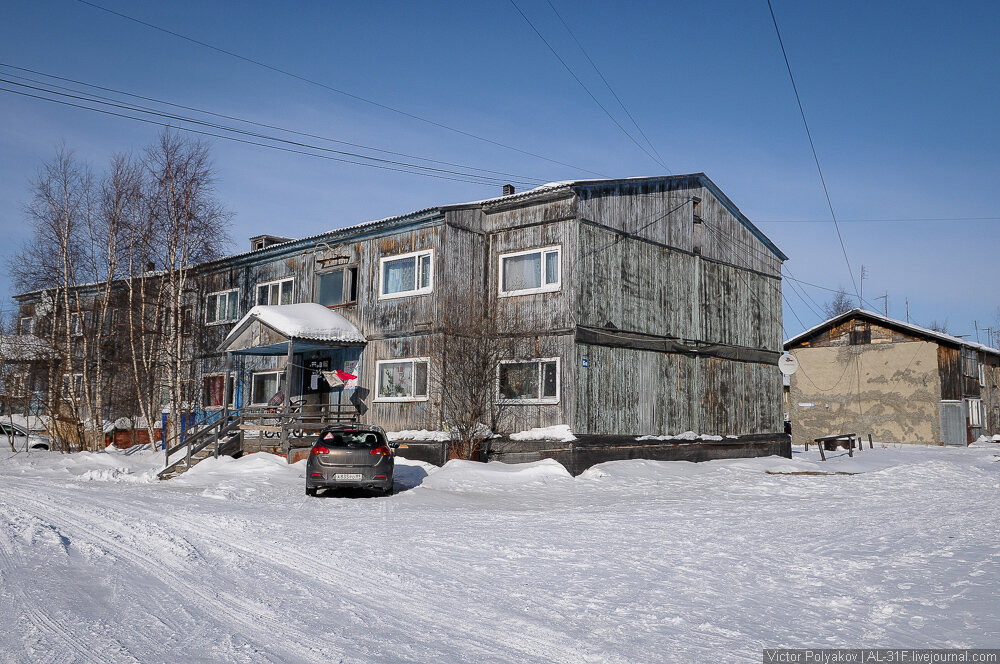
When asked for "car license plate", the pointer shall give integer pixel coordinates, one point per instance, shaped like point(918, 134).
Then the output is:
point(347, 476)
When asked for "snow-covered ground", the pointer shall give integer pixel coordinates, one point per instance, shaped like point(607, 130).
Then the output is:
point(634, 561)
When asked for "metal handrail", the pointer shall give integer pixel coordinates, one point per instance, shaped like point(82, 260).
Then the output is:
point(307, 417)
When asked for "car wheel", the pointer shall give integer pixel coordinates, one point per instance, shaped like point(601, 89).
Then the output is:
point(388, 490)
point(39, 447)
point(310, 491)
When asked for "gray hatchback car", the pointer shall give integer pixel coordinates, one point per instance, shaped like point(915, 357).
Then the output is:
point(351, 456)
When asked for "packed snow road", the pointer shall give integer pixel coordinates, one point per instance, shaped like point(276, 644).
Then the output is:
point(633, 561)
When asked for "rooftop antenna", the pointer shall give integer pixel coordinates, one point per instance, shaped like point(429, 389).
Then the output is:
point(861, 295)
point(885, 299)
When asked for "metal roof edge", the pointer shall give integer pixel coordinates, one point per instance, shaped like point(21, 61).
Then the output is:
point(910, 327)
point(742, 218)
point(359, 230)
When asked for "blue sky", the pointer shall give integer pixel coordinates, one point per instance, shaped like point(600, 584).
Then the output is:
point(901, 99)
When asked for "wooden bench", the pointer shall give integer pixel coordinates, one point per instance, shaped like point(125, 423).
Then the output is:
point(831, 443)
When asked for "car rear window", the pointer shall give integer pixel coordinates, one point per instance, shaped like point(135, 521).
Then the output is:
point(350, 439)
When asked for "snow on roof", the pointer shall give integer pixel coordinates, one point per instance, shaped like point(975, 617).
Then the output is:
point(23, 348)
point(916, 329)
point(303, 321)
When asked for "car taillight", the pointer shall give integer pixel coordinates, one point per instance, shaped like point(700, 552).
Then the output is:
point(319, 449)
point(381, 450)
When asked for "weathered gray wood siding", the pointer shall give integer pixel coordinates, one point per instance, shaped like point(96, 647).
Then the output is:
point(739, 307)
point(739, 397)
point(524, 416)
point(399, 416)
point(726, 239)
point(542, 312)
point(645, 266)
point(658, 211)
point(631, 284)
point(631, 392)
point(636, 392)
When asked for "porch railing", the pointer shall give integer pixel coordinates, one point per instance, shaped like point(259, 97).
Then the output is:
point(228, 430)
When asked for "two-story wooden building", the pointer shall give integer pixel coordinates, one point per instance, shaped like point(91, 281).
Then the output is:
point(645, 306)
point(651, 306)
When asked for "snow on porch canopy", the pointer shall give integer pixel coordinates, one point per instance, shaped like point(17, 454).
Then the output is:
point(267, 329)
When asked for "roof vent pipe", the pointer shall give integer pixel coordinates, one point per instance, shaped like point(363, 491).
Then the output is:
point(508, 190)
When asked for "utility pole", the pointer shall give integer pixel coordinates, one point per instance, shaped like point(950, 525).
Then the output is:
point(976, 324)
point(907, 300)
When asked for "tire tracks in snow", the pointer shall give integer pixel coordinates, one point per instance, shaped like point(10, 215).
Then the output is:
point(58, 630)
point(206, 604)
point(528, 646)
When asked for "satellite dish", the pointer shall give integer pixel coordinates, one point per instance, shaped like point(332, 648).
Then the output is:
point(787, 364)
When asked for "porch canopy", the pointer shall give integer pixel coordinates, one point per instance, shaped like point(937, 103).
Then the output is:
point(287, 329)
point(275, 329)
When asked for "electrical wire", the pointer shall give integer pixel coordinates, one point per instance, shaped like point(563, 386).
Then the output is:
point(812, 146)
point(523, 178)
point(586, 89)
point(383, 164)
point(876, 221)
point(608, 86)
point(330, 88)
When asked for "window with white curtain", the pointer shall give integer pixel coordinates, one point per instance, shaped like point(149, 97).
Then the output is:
point(402, 380)
point(406, 274)
point(532, 271)
point(264, 385)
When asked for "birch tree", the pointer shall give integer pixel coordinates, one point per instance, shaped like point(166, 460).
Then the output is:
point(188, 225)
point(60, 209)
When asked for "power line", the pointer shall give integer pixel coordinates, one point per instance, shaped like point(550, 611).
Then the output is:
point(818, 307)
point(330, 88)
point(586, 89)
point(825, 288)
point(608, 86)
point(800, 292)
point(875, 221)
point(812, 147)
point(459, 177)
point(522, 178)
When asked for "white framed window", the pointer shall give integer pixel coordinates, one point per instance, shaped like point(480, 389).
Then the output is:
point(75, 324)
point(406, 274)
point(27, 325)
point(529, 381)
point(264, 385)
point(982, 374)
point(975, 412)
point(402, 380)
point(532, 271)
point(222, 306)
point(336, 287)
point(275, 292)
